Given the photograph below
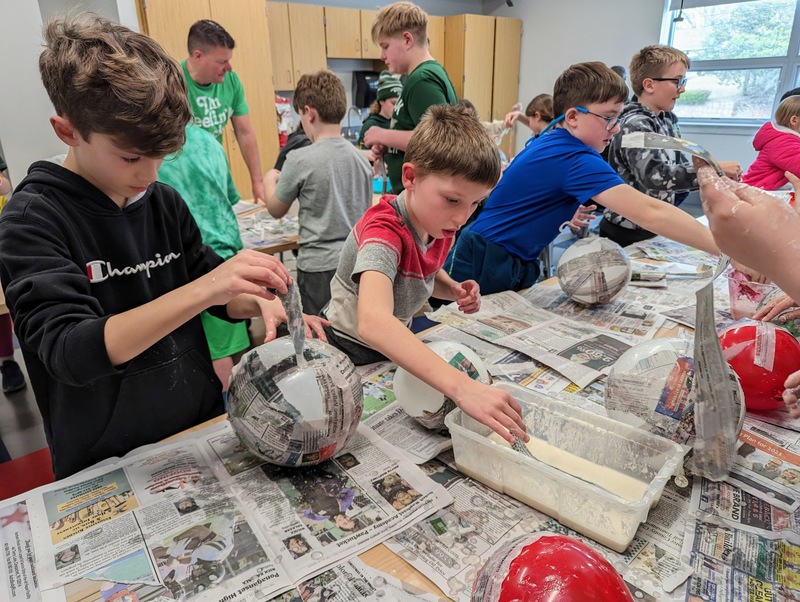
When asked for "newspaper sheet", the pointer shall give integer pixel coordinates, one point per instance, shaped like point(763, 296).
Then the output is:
point(625, 320)
point(734, 565)
point(767, 463)
point(662, 249)
point(259, 229)
point(200, 519)
point(728, 505)
point(450, 546)
point(579, 353)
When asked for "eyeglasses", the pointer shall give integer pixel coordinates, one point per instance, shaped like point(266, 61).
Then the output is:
point(680, 82)
point(611, 122)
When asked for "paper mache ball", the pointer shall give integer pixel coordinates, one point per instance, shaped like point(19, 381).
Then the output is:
point(293, 415)
point(593, 271)
point(544, 567)
point(424, 403)
point(650, 385)
point(763, 356)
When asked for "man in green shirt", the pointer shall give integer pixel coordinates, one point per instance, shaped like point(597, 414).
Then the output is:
point(216, 93)
point(401, 31)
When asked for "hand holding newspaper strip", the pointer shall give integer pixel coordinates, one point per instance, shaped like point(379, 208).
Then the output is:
point(715, 408)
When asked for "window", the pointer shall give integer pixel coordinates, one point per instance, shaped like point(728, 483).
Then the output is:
point(745, 54)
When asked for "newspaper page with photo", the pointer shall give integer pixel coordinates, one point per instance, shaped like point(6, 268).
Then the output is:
point(315, 517)
point(733, 565)
point(726, 504)
point(623, 319)
point(579, 353)
point(767, 463)
point(450, 546)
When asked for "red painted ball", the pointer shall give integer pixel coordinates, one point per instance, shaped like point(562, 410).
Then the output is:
point(548, 568)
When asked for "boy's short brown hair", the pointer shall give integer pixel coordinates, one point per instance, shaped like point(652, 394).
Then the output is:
point(653, 61)
point(205, 34)
point(582, 84)
point(542, 104)
point(449, 141)
point(789, 107)
point(324, 92)
point(106, 79)
point(391, 21)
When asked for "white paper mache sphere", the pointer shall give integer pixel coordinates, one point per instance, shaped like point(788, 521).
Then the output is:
point(649, 386)
point(290, 415)
point(593, 271)
point(424, 403)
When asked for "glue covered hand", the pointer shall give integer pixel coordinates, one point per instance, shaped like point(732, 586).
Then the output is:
point(775, 310)
point(274, 315)
point(790, 395)
point(753, 227)
point(582, 217)
point(493, 407)
point(468, 296)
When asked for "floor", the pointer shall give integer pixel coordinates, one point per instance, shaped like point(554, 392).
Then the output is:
point(21, 423)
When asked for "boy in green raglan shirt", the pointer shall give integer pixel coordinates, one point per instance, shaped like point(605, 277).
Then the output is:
point(401, 31)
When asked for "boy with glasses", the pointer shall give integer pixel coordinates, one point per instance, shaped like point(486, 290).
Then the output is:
point(658, 78)
point(554, 181)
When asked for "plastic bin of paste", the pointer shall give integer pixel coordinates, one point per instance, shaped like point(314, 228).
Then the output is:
point(631, 466)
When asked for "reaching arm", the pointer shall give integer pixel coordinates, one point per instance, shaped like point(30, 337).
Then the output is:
point(390, 138)
point(246, 137)
point(275, 206)
point(658, 216)
point(386, 334)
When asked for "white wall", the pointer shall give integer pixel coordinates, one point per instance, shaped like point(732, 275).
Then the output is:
point(25, 109)
point(611, 31)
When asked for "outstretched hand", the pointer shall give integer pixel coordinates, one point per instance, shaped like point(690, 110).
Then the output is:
point(495, 408)
point(248, 272)
point(775, 310)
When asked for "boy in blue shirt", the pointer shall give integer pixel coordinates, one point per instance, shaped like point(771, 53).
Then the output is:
point(552, 178)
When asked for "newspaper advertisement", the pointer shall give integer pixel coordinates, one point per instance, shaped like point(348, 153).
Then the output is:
point(354, 581)
point(733, 565)
point(200, 519)
point(729, 505)
point(767, 463)
point(625, 320)
point(580, 353)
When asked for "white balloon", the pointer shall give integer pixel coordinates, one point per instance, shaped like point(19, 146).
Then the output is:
point(424, 403)
point(593, 271)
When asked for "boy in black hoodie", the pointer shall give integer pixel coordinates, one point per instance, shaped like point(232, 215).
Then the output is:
point(104, 268)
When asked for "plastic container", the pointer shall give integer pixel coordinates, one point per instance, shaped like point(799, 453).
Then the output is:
point(745, 295)
point(587, 508)
point(377, 185)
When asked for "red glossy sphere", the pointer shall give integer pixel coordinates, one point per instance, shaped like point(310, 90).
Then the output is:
point(548, 568)
point(763, 356)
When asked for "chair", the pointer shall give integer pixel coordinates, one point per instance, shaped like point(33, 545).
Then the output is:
point(25, 473)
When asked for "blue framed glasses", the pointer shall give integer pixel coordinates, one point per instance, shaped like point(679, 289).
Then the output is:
point(680, 82)
point(611, 122)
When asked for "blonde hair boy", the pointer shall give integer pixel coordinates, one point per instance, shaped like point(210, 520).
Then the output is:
point(400, 30)
point(391, 262)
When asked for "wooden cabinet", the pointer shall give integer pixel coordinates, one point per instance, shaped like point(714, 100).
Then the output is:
point(505, 86)
point(168, 21)
point(348, 33)
point(297, 35)
point(469, 59)
point(436, 34)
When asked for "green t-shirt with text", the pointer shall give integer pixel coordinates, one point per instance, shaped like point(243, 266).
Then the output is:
point(213, 105)
point(425, 86)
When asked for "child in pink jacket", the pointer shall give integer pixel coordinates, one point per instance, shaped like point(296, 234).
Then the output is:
point(778, 148)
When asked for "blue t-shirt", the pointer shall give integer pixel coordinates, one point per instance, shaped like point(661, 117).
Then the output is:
point(541, 190)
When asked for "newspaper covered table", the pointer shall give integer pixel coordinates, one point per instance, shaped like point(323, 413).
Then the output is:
point(262, 232)
point(135, 519)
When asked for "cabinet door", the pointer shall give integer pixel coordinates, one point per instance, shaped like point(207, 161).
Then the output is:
point(343, 33)
point(280, 42)
point(168, 22)
point(505, 89)
point(479, 63)
point(436, 37)
point(307, 26)
point(454, 51)
point(246, 21)
point(369, 49)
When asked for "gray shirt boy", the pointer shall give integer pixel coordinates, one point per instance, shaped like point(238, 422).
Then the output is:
point(332, 181)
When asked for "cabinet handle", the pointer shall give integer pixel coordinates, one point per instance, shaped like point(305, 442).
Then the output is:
point(289, 74)
point(366, 46)
point(298, 73)
point(358, 45)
